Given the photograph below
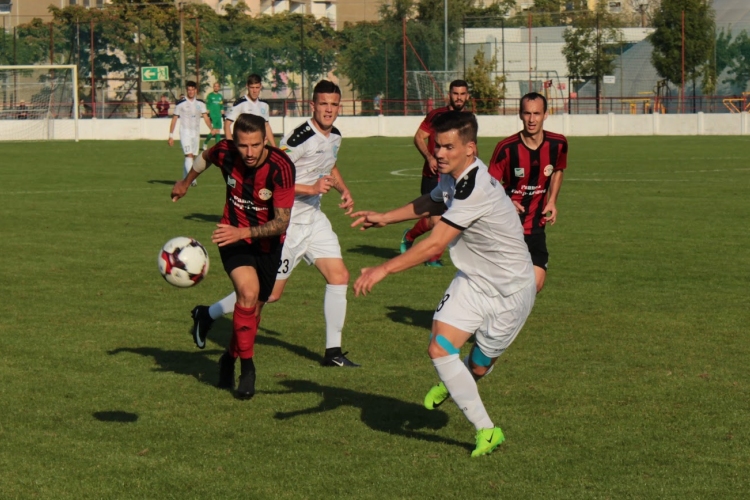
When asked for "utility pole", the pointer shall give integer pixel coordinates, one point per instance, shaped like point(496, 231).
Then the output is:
point(445, 34)
point(182, 46)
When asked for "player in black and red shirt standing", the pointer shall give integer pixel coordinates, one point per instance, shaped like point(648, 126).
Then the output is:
point(530, 165)
point(424, 140)
point(259, 199)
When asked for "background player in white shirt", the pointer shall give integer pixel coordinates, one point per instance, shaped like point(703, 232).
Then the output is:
point(313, 147)
point(250, 103)
point(493, 291)
point(189, 111)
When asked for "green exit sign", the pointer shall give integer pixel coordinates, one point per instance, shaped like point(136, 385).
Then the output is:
point(155, 73)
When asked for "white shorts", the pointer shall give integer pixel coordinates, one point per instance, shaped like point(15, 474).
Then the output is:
point(495, 320)
point(309, 242)
point(190, 144)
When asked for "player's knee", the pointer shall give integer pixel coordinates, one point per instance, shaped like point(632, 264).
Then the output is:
point(339, 276)
point(479, 363)
point(440, 347)
point(247, 296)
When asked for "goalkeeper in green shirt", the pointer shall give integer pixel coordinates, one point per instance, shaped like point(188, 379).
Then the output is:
point(215, 106)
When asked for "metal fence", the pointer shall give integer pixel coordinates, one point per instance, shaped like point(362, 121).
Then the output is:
point(400, 68)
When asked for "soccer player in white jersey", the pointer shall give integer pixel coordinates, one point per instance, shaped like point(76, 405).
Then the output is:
point(313, 147)
point(189, 111)
point(250, 103)
point(493, 291)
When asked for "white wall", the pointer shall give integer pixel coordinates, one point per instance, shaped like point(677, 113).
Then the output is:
point(401, 126)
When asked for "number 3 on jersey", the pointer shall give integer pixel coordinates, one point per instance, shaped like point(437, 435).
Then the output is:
point(442, 302)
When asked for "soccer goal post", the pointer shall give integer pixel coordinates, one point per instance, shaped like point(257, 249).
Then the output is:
point(39, 103)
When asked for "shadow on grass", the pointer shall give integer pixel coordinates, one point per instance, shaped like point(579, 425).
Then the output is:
point(409, 316)
point(115, 416)
point(222, 332)
point(380, 413)
point(383, 253)
point(203, 217)
point(195, 364)
point(160, 181)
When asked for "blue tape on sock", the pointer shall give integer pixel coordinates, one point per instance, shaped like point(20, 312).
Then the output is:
point(446, 345)
point(479, 358)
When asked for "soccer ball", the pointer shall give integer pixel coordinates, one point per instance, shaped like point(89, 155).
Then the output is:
point(183, 262)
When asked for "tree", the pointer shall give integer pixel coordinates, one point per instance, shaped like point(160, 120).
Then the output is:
point(590, 44)
point(485, 90)
point(739, 67)
point(667, 39)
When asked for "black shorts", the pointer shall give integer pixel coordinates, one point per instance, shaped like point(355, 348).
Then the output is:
point(428, 184)
point(537, 244)
point(265, 264)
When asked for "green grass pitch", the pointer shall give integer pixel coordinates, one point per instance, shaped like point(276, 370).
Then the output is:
point(629, 380)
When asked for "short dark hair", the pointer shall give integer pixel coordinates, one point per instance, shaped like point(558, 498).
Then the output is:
point(190, 83)
point(533, 96)
point(248, 124)
point(254, 79)
point(464, 123)
point(326, 87)
point(458, 83)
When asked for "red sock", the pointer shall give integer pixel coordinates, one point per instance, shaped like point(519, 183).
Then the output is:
point(421, 227)
point(244, 330)
point(435, 258)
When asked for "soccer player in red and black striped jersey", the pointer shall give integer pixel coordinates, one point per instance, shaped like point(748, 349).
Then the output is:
point(530, 165)
point(424, 140)
point(259, 199)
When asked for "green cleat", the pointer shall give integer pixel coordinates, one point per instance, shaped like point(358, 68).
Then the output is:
point(406, 243)
point(434, 263)
point(436, 396)
point(487, 440)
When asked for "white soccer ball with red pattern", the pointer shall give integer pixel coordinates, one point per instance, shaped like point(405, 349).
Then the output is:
point(183, 262)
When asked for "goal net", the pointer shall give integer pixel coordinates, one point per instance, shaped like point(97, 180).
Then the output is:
point(39, 103)
point(429, 88)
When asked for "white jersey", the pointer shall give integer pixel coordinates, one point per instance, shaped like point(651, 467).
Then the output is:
point(190, 113)
point(245, 105)
point(490, 250)
point(314, 156)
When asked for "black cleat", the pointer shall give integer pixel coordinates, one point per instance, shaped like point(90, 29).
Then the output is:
point(246, 387)
point(226, 372)
point(202, 322)
point(339, 359)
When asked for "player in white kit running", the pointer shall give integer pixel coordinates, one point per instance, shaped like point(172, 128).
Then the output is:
point(313, 148)
point(250, 103)
point(493, 291)
point(189, 111)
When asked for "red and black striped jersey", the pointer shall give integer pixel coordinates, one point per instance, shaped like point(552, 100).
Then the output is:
point(254, 192)
point(526, 173)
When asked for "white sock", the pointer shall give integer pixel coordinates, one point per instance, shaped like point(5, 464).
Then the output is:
point(463, 389)
point(187, 166)
point(222, 307)
point(334, 310)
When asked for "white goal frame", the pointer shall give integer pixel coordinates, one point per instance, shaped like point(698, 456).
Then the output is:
point(73, 69)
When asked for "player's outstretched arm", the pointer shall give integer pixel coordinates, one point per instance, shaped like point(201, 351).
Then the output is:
point(439, 238)
point(200, 164)
point(226, 234)
point(228, 129)
point(421, 207)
